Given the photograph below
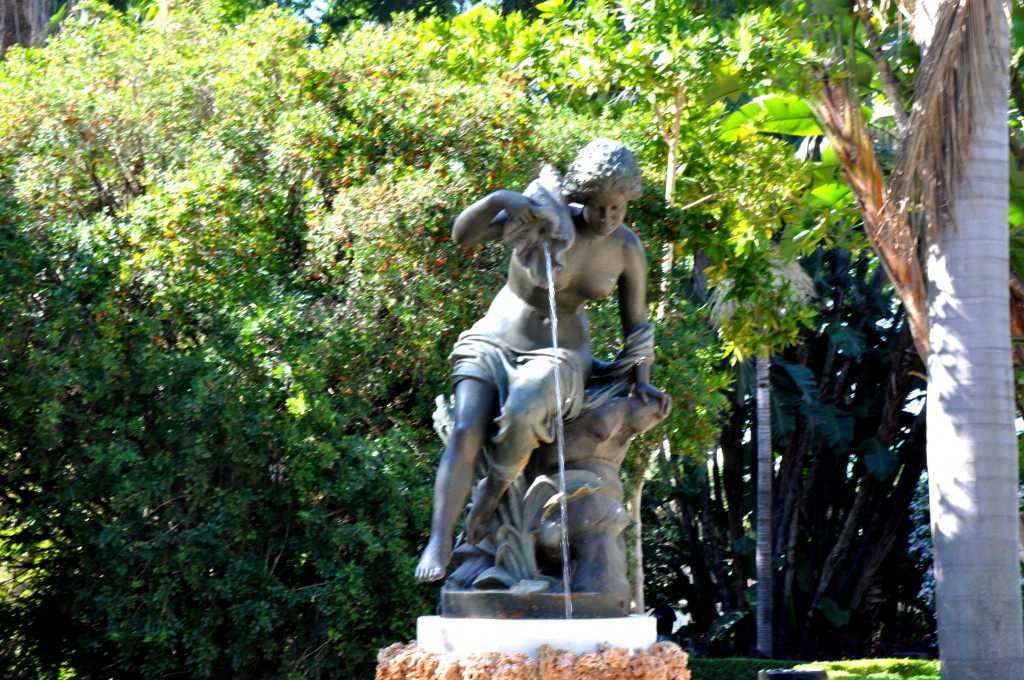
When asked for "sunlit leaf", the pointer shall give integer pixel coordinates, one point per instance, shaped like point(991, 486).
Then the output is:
point(770, 114)
point(832, 196)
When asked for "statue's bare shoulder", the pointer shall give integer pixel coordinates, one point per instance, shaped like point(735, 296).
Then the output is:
point(633, 253)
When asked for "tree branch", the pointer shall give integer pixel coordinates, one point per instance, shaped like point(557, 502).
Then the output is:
point(889, 84)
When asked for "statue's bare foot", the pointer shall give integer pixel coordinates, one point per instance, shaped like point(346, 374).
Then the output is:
point(434, 560)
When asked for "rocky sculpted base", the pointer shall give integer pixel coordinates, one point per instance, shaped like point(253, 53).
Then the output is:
point(660, 661)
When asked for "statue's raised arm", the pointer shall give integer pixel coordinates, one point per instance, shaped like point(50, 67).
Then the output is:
point(528, 222)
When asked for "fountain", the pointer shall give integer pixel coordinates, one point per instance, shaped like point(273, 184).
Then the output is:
point(537, 429)
point(563, 503)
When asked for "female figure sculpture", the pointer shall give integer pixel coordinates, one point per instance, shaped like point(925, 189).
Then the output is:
point(504, 366)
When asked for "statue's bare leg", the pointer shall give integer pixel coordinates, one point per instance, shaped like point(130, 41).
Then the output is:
point(475, 408)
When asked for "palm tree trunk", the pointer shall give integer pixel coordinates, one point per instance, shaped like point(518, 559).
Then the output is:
point(972, 449)
point(765, 469)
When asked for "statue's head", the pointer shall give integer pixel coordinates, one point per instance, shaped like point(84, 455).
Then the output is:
point(603, 167)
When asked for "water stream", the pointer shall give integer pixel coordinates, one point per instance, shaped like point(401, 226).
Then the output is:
point(559, 436)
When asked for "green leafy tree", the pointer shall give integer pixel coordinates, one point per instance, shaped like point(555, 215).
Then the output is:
point(676, 67)
point(842, 401)
point(341, 13)
point(939, 170)
point(166, 372)
point(217, 382)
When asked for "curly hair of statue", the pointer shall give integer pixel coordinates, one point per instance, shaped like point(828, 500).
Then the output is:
point(603, 165)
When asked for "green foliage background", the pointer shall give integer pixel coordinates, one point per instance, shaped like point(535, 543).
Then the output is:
point(182, 489)
point(230, 294)
point(229, 299)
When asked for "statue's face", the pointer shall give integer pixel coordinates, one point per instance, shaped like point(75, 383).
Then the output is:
point(604, 211)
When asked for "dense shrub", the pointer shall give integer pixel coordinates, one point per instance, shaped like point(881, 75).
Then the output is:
point(212, 462)
point(182, 493)
point(229, 295)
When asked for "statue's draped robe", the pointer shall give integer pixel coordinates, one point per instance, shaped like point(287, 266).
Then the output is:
point(484, 357)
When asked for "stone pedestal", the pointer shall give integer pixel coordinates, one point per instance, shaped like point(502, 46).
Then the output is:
point(660, 661)
point(524, 636)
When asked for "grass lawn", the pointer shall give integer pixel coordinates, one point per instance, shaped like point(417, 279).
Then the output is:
point(856, 669)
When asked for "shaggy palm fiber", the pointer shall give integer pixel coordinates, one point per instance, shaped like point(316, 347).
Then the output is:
point(660, 661)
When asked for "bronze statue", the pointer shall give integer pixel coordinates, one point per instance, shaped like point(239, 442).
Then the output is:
point(504, 366)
